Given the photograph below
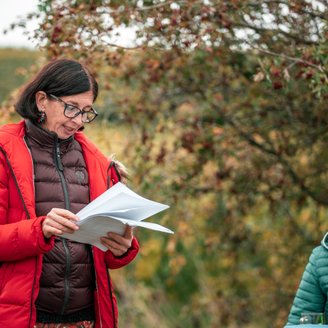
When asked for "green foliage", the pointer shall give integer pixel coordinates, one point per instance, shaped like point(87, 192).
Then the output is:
point(14, 65)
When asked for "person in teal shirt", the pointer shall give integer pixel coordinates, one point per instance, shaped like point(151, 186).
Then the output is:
point(312, 292)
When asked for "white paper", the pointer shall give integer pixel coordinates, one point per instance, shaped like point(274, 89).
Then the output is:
point(111, 212)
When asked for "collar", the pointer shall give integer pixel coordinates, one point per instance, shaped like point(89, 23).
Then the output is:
point(44, 137)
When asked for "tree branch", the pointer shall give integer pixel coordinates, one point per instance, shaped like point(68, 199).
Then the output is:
point(261, 30)
point(313, 13)
point(159, 5)
point(293, 59)
point(282, 161)
point(109, 44)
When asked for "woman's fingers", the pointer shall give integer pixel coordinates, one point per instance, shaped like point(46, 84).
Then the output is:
point(63, 214)
point(116, 249)
point(118, 244)
point(59, 221)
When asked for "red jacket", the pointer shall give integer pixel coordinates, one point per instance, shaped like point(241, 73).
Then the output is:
point(21, 239)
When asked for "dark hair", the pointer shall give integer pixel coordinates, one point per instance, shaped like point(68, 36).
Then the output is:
point(61, 77)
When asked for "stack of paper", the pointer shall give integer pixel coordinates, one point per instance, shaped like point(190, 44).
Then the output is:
point(111, 212)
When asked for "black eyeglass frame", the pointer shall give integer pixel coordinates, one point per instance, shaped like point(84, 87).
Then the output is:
point(81, 112)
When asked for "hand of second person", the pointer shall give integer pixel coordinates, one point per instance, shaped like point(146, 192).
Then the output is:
point(118, 244)
point(59, 221)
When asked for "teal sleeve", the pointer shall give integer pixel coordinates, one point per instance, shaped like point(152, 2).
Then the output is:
point(310, 297)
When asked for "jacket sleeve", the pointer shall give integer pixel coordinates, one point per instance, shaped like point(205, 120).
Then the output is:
point(20, 239)
point(23, 239)
point(309, 296)
point(116, 262)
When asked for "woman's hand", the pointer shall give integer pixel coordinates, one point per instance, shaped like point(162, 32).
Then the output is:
point(118, 244)
point(59, 221)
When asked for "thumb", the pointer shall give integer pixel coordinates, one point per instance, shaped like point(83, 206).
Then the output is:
point(128, 233)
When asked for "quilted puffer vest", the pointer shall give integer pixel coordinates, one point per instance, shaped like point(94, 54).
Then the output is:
point(61, 180)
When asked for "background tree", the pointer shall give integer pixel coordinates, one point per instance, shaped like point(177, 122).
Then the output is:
point(223, 107)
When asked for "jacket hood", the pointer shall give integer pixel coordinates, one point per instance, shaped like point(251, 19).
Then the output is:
point(324, 241)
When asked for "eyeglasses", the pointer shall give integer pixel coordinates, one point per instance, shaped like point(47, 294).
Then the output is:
point(88, 114)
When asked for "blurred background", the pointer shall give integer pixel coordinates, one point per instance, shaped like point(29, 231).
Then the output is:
point(219, 109)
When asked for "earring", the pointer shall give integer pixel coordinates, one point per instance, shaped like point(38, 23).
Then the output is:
point(42, 117)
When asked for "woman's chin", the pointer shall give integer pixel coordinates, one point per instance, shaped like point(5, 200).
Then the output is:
point(65, 133)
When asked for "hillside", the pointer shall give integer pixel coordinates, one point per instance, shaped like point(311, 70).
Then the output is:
point(13, 65)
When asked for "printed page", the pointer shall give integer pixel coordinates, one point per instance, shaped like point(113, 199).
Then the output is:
point(94, 227)
point(91, 231)
point(120, 197)
point(111, 211)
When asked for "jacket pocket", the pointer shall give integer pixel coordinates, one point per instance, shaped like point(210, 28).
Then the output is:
point(2, 274)
point(6, 270)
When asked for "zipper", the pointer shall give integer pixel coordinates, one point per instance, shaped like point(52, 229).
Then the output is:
point(111, 297)
point(108, 276)
point(36, 260)
point(28, 218)
point(60, 170)
point(109, 179)
point(33, 174)
point(94, 268)
point(110, 294)
point(67, 272)
point(32, 296)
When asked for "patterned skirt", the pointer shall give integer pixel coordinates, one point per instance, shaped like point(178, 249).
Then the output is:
point(80, 324)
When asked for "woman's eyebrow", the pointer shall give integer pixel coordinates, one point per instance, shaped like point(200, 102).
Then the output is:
point(74, 103)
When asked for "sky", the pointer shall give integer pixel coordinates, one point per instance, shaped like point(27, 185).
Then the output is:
point(10, 12)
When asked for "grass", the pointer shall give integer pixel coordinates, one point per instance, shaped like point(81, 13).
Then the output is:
point(14, 65)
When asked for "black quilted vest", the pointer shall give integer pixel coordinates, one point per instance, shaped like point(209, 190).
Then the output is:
point(61, 180)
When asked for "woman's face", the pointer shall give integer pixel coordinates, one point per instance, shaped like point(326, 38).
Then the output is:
point(55, 120)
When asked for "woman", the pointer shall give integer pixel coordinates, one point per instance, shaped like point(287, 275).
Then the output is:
point(49, 170)
point(312, 293)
